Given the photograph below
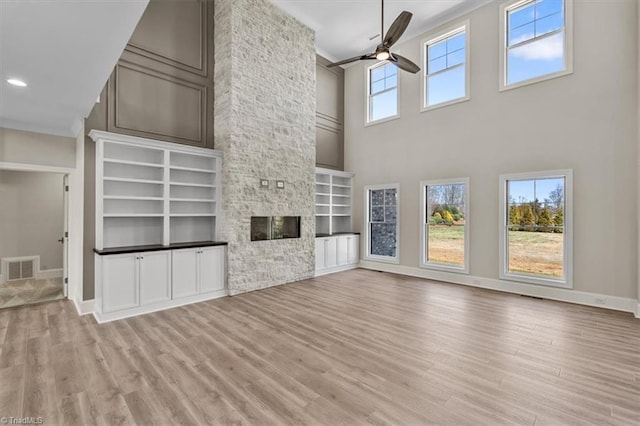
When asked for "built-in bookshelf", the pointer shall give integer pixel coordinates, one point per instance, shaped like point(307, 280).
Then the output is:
point(334, 191)
point(150, 192)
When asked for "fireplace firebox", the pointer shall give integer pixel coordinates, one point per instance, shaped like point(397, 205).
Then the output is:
point(274, 227)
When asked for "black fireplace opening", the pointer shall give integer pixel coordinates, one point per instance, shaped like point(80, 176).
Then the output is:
point(274, 227)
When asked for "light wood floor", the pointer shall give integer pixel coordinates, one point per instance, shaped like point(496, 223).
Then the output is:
point(358, 347)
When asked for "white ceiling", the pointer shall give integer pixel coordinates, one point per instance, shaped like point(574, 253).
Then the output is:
point(343, 27)
point(64, 50)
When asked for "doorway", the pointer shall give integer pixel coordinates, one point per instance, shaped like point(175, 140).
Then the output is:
point(33, 237)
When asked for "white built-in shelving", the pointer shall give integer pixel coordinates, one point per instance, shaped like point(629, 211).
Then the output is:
point(151, 192)
point(333, 194)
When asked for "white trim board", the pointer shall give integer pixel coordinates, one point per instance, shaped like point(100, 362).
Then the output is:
point(85, 307)
point(553, 293)
point(24, 167)
point(154, 307)
point(49, 273)
point(327, 271)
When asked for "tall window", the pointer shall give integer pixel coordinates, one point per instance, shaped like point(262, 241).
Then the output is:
point(382, 222)
point(382, 96)
point(445, 224)
point(446, 71)
point(536, 40)
point(536, 231)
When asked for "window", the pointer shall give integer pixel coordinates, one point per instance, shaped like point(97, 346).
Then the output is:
point(536, 231)
point(445, 224)
point(382, 99)
point(446, 70)
point(381, 203)
point(535, 40)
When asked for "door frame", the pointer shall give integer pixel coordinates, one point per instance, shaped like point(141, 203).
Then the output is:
point(74, 223)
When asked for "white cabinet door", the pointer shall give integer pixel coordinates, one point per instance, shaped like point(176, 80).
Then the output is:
point(212, 272)
point(353, 249)
point(320, 253)
point(155, 277)
point(184, 277)
point(341, 250)
point(331, 258)
point(119, 282)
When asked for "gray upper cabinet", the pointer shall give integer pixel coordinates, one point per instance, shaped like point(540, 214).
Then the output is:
point(329, 115)
point(162, 86)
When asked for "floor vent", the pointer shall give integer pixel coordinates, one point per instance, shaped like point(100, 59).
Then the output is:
point(20, 268)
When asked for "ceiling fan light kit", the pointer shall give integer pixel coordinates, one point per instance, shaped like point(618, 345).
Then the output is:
point(383, 52)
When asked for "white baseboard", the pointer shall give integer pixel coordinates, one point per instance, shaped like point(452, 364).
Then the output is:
point(335, 269)
point(84, 307)
point(160, 306)
point(49, 273)
point(553, 293)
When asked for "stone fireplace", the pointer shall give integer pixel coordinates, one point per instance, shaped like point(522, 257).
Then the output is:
point(265, 127)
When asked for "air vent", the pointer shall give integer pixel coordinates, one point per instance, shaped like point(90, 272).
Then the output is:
point(20, 268)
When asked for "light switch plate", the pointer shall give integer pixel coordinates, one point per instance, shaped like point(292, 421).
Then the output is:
point(264, 183)
point(280, 184)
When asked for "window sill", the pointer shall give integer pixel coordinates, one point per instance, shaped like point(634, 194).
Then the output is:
point(382, 120)
point(445, 268)
point(445, 104)
point(394, 260)
point(530, 279)
point(504, 87)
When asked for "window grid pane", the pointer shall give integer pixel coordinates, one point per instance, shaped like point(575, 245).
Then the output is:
point(446, 53)
point(535, 41)
point(445, 77)
point(383, 222)
point(534, 20)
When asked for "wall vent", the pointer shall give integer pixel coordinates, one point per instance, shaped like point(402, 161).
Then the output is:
point(20, 268)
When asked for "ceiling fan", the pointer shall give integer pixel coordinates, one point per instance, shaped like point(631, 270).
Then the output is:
point(383, 52)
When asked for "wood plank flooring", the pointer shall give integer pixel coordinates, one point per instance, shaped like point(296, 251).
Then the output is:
point(358, 347)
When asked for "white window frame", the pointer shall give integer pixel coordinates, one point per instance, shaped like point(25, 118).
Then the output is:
point(367, 236)
point(464, 26)
point(568, 45)
point(424, 240)
point(367, 96)
point(567, 280)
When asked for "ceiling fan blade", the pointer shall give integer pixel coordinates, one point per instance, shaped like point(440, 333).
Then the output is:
point(355, 58)
point(404, 63)
point(397, 28)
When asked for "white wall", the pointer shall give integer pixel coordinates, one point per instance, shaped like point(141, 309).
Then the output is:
point(586, 121)
point(31, 215)
point(18, 146)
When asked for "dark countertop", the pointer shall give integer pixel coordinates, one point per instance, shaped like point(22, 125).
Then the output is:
point(335, 234)
point(158, 247)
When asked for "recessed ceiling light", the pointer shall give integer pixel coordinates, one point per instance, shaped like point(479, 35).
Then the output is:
point(16, 82)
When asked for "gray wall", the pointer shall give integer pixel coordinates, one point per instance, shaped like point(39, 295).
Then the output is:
point(265, 126)
point(586, 121)
point(31, 216)
point(329, 115)
point(18, 146)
